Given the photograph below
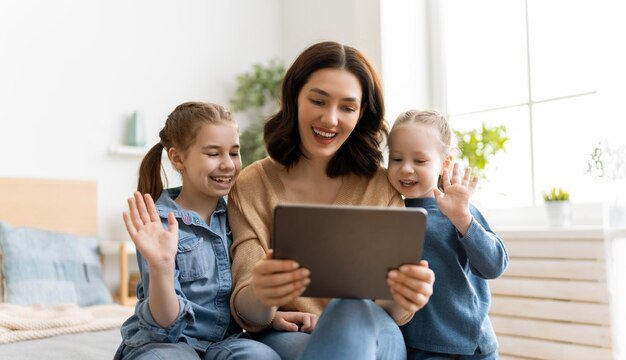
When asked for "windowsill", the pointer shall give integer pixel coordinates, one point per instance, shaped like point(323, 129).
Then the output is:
point(588, 219)
point(573, 232)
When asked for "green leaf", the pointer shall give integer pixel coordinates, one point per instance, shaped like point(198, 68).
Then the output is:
point(477, 146)
point(255, 89)
point(556, 194)
point(258, 86)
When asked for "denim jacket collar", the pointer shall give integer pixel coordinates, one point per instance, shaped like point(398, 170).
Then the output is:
point(167, 204)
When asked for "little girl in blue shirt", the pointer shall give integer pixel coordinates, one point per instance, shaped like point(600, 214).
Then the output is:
point(460, 246)
point(183, 242)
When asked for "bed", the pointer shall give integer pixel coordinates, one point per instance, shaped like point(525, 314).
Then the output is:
point(55, 304)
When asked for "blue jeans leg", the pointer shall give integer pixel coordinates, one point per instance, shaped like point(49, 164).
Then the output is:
point(240, 347)
point(288, 344)
point(415, 354)
point(159, 351)
point(355, 329)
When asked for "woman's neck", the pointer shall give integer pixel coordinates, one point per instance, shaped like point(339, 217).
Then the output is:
point(307, 182)
point(310, 168)
point(200, 203)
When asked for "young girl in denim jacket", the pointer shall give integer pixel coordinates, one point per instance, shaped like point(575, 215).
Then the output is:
point(460, 246)
point(183, 243)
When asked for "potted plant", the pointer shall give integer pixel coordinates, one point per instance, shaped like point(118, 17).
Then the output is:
point(558, 207)
point(257, 94)
point(478, 146)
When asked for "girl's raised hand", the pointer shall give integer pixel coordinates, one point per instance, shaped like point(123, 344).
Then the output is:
point(454, 200)
point(411, 285)
point(157, 245)
point(278, 282)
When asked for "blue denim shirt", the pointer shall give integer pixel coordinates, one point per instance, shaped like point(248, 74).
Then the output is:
point(202, 279)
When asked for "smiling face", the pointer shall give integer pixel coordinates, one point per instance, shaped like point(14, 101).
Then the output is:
point(416, 159)
point(211, 164)
point(329, 106)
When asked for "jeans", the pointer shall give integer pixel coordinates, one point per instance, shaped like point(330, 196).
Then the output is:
point(415, 354)
point(234, 347)
point(347, 329)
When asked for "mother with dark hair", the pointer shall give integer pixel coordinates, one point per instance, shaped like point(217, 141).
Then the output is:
point(324, 148)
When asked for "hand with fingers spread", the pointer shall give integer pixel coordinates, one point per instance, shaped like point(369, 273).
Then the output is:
point(454, 200)
point(157, 245)
point(411, 285)
point(278, 282)
point(294, 321)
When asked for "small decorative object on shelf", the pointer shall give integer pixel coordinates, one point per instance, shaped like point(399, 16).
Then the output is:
point(558, 207)
point(136, 130)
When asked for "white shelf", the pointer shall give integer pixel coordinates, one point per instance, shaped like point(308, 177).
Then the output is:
point(125, 150)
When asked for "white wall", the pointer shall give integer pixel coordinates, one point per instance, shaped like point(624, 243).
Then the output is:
point(352, 22)
point(73, 71)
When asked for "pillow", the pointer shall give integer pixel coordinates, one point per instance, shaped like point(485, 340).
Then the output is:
point(45, 267)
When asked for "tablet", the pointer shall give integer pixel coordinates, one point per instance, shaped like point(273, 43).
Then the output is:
point(348, 249)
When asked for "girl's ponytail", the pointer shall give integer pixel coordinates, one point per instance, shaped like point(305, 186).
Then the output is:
point(150, 181)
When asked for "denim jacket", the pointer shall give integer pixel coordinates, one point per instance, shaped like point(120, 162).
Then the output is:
point(202, 280)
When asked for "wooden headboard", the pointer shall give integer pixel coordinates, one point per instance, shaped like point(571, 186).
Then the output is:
point(68, 206)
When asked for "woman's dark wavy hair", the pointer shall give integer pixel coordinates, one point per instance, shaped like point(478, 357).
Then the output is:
point(361, 153)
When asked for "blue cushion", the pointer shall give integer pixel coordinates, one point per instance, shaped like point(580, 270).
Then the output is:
point(45, 267)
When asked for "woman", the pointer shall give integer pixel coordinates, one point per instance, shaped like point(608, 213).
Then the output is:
point(324, 148)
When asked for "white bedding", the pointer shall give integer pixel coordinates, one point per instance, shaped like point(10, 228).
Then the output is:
point(20, 323)
point(100, 345)
point(60, 331)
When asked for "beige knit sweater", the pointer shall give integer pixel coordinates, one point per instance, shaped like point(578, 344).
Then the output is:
point(250, 209)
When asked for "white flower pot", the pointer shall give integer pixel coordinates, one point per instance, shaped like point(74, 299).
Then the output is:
point(559, 213)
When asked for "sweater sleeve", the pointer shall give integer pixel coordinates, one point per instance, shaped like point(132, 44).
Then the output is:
point(485, 250)
point(249, 243)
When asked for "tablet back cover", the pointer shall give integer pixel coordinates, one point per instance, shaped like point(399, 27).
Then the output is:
point(349, 249)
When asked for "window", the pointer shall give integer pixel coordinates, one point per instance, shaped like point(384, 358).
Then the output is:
point(532, 66)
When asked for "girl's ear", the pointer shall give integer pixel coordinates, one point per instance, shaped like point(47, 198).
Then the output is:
point(176, 158)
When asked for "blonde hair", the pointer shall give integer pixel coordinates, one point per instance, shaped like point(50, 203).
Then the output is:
point(431, 118)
